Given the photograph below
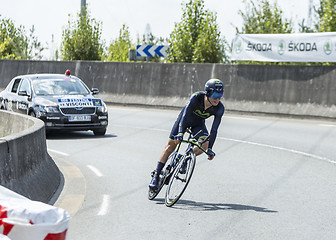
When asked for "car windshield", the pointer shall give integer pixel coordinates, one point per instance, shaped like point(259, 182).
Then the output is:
point(67, 86)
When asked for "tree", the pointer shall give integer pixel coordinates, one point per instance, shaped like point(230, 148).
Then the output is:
point(81, 39)
point(303, 28)
point(6, 50)
point(119, 48)
point(196, 38)
point(326, 16)
point(35, 47)
point(15, 44)
point(12, 39)
point(210, 47)
point(264, 18)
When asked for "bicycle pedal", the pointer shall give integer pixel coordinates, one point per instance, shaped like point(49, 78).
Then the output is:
point(152, 190)
point(153, 173)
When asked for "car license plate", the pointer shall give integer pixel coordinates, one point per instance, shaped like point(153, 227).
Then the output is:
point(79, 118)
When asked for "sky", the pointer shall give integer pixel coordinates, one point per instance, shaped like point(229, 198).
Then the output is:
point(51, 17)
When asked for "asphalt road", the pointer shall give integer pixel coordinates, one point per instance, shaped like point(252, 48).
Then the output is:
point(272, 178)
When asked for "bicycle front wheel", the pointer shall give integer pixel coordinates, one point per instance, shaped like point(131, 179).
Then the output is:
point(180, 179)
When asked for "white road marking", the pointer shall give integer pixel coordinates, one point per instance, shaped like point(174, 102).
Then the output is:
point(327, 125)
point(58, 152)
point(142, 128)
point(242, 118)
point(104, 206)
point(279, 148)
point(95, 170)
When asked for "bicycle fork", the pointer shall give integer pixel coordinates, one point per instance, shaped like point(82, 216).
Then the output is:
point(188, 158)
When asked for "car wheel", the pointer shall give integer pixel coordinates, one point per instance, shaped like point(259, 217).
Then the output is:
point(99, 132)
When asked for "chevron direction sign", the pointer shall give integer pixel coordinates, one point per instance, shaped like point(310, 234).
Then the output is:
point(151, 50)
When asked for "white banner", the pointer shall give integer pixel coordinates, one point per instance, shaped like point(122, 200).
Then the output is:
point(23, 219)
point(300, 47)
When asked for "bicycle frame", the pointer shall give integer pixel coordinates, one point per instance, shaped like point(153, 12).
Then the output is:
point(174, 162)
point(192, 142)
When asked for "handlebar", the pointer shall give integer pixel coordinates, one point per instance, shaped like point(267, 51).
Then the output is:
point(193, 141)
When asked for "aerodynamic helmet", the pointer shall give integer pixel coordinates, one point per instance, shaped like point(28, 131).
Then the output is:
point(214, 88)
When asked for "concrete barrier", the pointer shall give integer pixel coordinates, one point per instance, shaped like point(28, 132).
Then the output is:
point(276, 89)
point(25, 166)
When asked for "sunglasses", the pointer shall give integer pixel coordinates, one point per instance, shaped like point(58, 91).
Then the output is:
point(216, 95)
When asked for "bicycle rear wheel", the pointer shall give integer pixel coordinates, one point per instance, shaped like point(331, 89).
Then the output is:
point(179, 181)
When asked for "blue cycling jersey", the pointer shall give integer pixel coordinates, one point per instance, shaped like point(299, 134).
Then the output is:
point(193, 115)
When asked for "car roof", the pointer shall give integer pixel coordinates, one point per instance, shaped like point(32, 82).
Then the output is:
point(45, 76)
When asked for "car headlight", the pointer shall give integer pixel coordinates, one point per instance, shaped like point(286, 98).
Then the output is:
point(42, 110)
point(103, 108)
point(51, 109)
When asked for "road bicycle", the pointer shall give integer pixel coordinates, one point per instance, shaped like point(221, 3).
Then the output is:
point(178, 170)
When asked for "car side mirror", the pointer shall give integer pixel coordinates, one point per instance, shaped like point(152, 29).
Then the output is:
point(95, 91)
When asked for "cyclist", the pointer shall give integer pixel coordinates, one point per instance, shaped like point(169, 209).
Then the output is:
point(201, 106)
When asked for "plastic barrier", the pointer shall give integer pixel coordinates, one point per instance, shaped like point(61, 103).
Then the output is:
point(22, 219)
point(3, 237)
